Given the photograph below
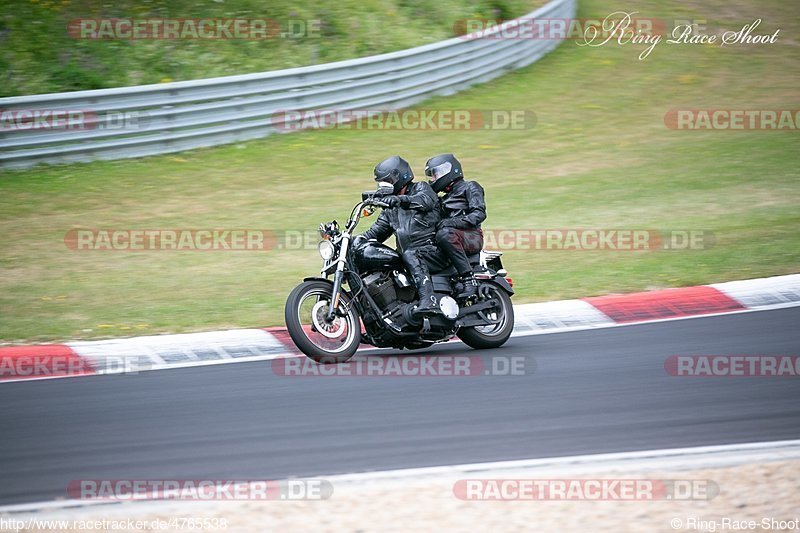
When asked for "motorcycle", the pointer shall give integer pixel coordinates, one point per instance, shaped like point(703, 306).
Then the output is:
point(370, 287)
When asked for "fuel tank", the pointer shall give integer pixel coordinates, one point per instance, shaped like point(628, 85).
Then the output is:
point(373, 257)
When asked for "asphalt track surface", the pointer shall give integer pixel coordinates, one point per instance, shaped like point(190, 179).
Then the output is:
point(592, 391)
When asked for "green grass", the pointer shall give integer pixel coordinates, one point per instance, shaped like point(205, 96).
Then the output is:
point(37, 54)
point(599, 157)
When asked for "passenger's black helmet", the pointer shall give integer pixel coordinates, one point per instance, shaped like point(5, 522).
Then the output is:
point(443, 170)
point(394, 170)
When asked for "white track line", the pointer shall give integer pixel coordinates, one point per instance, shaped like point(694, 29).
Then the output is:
point(654, 321)
point(380, 351)
point(697, 457)
point(544, 318)
point(693, 458)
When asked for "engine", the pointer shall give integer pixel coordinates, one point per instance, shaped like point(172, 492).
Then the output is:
point(394, 294)
point(390, 290)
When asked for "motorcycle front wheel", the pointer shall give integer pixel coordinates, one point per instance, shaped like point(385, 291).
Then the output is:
point(324, 342)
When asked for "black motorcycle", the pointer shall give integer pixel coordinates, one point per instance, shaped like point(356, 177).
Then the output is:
point(371, 287)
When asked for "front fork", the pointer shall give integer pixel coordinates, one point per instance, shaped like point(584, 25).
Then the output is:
point(338, 278)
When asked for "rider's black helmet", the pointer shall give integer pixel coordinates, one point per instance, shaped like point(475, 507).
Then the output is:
point(394, 170)
point(443, 170)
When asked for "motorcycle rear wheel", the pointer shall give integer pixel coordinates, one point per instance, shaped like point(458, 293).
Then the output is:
point(492, 336)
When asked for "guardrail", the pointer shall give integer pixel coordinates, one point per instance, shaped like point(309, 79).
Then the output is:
point(172, 117)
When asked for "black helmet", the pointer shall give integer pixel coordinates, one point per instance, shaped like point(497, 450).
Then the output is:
point(394, 170)
point(443, 170)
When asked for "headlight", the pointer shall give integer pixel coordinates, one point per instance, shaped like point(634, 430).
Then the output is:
point(325, 249)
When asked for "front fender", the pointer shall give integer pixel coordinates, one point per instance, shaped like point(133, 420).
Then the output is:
point(317, 278)
point(329, 282)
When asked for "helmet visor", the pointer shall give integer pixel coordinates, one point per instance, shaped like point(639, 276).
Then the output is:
point(434, 173)
point(386, 176)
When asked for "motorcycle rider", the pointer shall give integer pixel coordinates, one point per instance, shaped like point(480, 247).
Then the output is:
point(412, 216)
point(463, 210)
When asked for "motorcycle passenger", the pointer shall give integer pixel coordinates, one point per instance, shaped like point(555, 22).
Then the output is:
point(412, 217)
point(463, 210)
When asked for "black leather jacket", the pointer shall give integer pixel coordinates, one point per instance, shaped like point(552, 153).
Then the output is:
point(414, 226)
point(463, 205)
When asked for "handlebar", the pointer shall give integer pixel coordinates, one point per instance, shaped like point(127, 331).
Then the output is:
point(355, 214)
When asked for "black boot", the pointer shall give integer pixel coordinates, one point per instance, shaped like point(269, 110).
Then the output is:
point(470, 284)
point(427, 301)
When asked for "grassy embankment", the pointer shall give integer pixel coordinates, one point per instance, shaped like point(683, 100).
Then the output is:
point(600, 156)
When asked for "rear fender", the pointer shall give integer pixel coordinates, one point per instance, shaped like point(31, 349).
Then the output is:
point(501, 282)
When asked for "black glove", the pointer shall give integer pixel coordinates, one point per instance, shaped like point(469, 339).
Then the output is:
point(397, 201)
